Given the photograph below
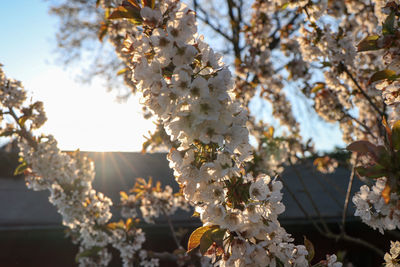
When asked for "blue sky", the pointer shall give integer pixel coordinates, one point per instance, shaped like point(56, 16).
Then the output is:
point(83, 116)
point(79, 116)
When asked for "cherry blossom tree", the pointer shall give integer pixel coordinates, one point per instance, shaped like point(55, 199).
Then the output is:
point(342, 54)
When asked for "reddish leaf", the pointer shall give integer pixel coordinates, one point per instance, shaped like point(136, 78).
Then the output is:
point(378, 153)
point(361, 146)
point(310, 248)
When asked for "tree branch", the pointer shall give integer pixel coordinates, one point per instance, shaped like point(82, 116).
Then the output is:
point(367, 97)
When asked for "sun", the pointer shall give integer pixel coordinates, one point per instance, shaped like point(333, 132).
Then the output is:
point(86, 116)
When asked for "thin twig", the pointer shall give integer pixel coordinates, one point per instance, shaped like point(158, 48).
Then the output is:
point(301, 206)
point(276, 40)
point(346, 201)
point(326, 228)
point(164, 256)
point(171, 227)
point(206, 20)
point(235, 27)
point(356, 240)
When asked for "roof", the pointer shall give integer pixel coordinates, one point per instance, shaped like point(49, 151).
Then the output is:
point(116, 171)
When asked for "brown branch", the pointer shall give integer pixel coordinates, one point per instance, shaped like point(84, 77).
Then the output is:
point(366, 128)
point(235, 27)
point(276, 40)
point(361, 90)
point(207, 21)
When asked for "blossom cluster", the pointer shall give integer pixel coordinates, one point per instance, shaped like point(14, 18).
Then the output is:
point(258, 62)
point(379, 206)
point(12, 96)
point(68, 177)
point(372, 209)
point(186, 85)
point(391, 259)
point(152, 201)
point(389, 87)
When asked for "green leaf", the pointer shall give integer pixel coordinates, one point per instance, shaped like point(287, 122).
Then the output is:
point(206, 241)
point(284, 6)
point(217, 235)
point(195, 237)
point(368, 43)
point(127, 12)
point(382, 75)
point(122, 71)
point(196, 214)
point(375, 171)
point(310, 248)
point(326, 64)
point(388, 25)
point(396, 135)
point(317, 87)
point(88, 253)
point(21, 168)
point(22, 120)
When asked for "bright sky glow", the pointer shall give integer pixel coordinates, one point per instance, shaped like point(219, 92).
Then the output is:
point(87, 117)
point(79, 116)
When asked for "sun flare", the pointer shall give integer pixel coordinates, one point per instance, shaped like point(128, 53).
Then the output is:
point(88, 117)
